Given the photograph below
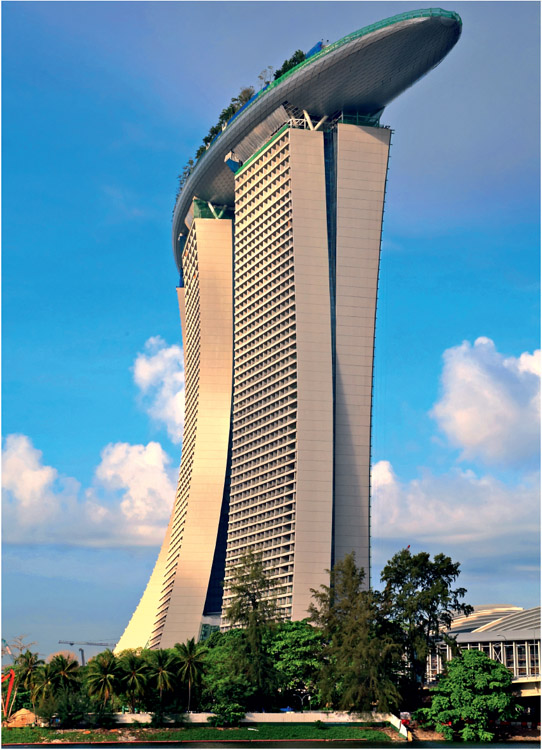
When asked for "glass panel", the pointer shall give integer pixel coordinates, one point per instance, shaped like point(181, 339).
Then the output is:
point(509, 657)
point(534, 659)
point(522, 659)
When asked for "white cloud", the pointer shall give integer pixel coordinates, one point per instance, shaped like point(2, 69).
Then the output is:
point(128, 503)
point(159, 374)
point(141, 474)
point(41, 495)
point(490, 404)
point(457, 508)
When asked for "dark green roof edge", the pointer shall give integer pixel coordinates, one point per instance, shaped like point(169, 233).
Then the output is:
point(406, 16)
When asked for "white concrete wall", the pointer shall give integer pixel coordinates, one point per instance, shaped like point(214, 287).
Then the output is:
point(292, 717)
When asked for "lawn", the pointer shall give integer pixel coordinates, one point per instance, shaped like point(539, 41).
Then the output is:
point(29, 735)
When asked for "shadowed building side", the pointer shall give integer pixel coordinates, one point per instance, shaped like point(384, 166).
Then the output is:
point(181, 596)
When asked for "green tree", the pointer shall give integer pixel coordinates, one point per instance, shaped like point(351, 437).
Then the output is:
point(473, 692)
point(253, 608)
point(47, 708)
point(190, 657)
point(421, 602)
point(103, 676)
point(65, 672)
point(287, 65)
point(361, 656)
point(26, 666)
point(225, 675)
point(72, 706)
point(296, 649)
point(132, 677)
point(252, 603)
point(161, 671)
point(246, 93)
point(44, 684)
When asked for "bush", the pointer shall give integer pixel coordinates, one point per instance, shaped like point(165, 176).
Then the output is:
point(226, 715)
point(161, 718)
point(71, 709)
point(102, 716)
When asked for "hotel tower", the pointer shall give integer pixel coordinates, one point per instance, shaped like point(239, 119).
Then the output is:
point(276, 235)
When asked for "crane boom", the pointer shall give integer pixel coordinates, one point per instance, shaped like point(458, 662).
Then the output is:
point(87, 643)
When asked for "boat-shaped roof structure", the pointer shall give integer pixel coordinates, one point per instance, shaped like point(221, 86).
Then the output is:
point(361, 73)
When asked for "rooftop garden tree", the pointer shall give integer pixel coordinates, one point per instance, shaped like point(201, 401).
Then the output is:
point(245, 94)
point(287, 65)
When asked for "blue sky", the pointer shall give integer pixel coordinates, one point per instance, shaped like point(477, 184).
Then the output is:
point(103, 104)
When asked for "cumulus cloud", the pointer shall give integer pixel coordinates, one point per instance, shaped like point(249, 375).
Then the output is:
point(39, 491)
point(159, 374)
point(128, 503)
point(490, 404)
point(456, 508)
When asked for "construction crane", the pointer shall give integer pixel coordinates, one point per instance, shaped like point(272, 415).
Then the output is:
point(86, 643)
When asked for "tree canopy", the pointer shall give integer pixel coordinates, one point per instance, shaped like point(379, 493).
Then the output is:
point(190, 658)
point(253, 607)
point(360, 654)
point(473, 692)
point(287, 65)
point(419, 599)
point(244, 95)
point(362, 649)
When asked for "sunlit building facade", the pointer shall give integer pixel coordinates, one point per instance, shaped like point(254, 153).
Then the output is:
point(277, 239)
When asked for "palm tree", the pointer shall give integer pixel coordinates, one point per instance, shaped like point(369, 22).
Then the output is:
point(133, 676)
point(44, 683)
point(66, 672)
point(161, 664)
point(26, 667)
point(103, 676)
point(190, 656)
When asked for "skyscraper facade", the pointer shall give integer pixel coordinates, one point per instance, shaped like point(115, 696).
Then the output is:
point(277, 238)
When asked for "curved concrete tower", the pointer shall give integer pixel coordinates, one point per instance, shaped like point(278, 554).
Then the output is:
point(276, 234)
point(184, 589)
